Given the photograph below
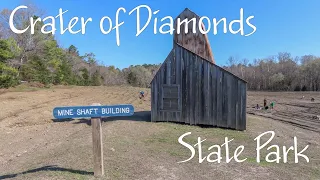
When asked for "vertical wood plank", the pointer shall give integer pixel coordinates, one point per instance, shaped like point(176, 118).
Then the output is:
point(229, 101)
point(189, 85)
point(164, 73)
point(207, 96)
point(152, 101)
point(201, 93)
point(244, 109)
point(179, 80)
point(97, 145)
point(241, 108)
point(219, 98)
point(197, 97)
point(224, 101)
point(173, 69)
point(159, 84)
point(186, 80)
point(180, 60)
point(238, 108)
point(168, 71)
point(156, 99)
point(192, 89)
point(214, 87)
point(233, 95)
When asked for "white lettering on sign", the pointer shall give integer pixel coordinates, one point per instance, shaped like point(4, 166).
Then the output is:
point(115, 110)
point(65, 112)
point(87, 111)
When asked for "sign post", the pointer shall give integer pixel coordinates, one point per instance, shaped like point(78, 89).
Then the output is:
point(97, 145)
point(95, 112)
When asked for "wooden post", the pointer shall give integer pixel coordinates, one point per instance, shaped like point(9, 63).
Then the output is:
point(97, 145)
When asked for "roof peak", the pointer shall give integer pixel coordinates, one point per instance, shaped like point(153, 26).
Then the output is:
point(196, 42)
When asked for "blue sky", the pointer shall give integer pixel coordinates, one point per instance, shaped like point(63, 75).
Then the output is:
point(282, 26)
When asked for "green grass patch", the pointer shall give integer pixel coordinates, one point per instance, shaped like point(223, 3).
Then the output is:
point(261, 163)
point(166, 139)
point(315, 173)
point(24, 88)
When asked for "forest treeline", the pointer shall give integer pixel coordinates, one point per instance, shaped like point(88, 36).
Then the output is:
point(280, 72)
point(40, 58)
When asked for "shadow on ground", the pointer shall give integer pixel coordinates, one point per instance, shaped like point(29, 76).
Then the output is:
point(46, 168)
point(143, 116)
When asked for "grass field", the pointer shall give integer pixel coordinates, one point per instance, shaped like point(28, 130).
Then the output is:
point(35, 146)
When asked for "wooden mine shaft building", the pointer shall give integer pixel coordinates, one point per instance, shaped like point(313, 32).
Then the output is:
point(190, 88)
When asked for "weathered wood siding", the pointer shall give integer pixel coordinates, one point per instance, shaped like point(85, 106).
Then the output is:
point(195, 42)
point(168, 74)
point(208, 94)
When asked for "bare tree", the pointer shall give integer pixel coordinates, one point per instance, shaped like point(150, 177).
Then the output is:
point(21, 20)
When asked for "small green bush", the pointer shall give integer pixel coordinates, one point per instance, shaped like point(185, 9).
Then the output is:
point(8, 76)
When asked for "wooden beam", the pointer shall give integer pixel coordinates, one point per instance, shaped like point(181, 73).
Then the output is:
point(97, 145)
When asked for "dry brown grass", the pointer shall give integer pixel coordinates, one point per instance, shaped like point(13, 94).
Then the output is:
point(33, 146)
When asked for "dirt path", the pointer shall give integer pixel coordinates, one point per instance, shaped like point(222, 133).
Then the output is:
point(32, 146)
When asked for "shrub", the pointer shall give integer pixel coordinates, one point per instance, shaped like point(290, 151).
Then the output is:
point(297, 88)
point(8, 76)
point(304, 88)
